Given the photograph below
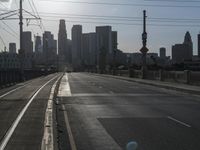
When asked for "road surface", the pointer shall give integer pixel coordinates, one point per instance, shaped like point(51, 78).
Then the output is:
point(99, 113)
point(22, 113)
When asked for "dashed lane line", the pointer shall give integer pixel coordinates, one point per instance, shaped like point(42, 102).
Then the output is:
point(180, 122)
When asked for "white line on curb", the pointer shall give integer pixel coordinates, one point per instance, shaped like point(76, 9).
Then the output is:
point(19, 117)
point(48, 139)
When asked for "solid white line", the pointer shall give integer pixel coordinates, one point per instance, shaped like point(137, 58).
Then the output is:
point(71, 137)
point(180, 122)
point(12, 91)
point(19, 117)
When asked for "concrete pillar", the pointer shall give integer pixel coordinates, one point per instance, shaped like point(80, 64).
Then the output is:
point(161, 75)
point(131, 73)
point(187, 76)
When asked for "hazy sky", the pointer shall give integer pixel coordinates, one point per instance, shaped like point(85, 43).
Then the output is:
point(162, 29)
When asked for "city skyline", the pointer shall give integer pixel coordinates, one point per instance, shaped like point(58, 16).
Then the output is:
point(129, 36)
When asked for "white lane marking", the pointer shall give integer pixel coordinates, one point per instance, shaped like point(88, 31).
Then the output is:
point(12, 91)
point(19, 117)
point(64, 89)
point(71, 137)
point(1, 96)
point(68, 92)
point(48, 140)
point(180, 122)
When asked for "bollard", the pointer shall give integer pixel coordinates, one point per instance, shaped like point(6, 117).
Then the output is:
point(132, 145)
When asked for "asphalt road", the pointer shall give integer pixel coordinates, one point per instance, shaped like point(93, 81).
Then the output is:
point(99, 113)
point(29, 131)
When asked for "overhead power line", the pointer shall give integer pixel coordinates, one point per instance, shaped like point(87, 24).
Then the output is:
point(10, 28)
point(122, 4)
point(37, 14)
point(3, 5)
point(115, 17)
point(133, 19)
point(129, 24)
point(177, 1)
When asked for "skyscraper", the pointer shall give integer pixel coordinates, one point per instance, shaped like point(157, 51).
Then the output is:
point(27, 42)
point(76, 47)
point(49, 48)
point(183, 52)
point(85, 50)
point(114, 40)
point(188, 41)
point(162, 52)
point(63, 52)
point(38, 44)
point(93, 50)
point(12, 48)
point(104, 46)
point(28, 49)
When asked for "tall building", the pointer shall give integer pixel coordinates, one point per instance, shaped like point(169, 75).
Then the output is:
point(49, 49)
point(188, 41)
point(69, 48)
point(180, 53)
point(183, 52)
point(38, 55)
point(104, 46)
point(162, 52)
point(63, 51)
point(12, 48)
point(27, 42)
point(114, 40)
point(199, 45)
point(93, 50)
point(85, 50)
point(76, 47)
point(38, 44)
point(27, 45)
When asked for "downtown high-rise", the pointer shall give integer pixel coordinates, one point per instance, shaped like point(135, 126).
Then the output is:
point(77, 47)
point(64, 54)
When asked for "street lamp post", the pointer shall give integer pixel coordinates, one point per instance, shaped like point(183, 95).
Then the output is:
point(144, 49)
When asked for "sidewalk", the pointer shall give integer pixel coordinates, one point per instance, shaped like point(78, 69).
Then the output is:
point(168, 85)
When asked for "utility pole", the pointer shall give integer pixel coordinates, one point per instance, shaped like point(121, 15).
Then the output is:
point(9, 16)
point(21, 50)
point(144, 49)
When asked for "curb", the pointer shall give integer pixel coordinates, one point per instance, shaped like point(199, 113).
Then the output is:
point(48, 138)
